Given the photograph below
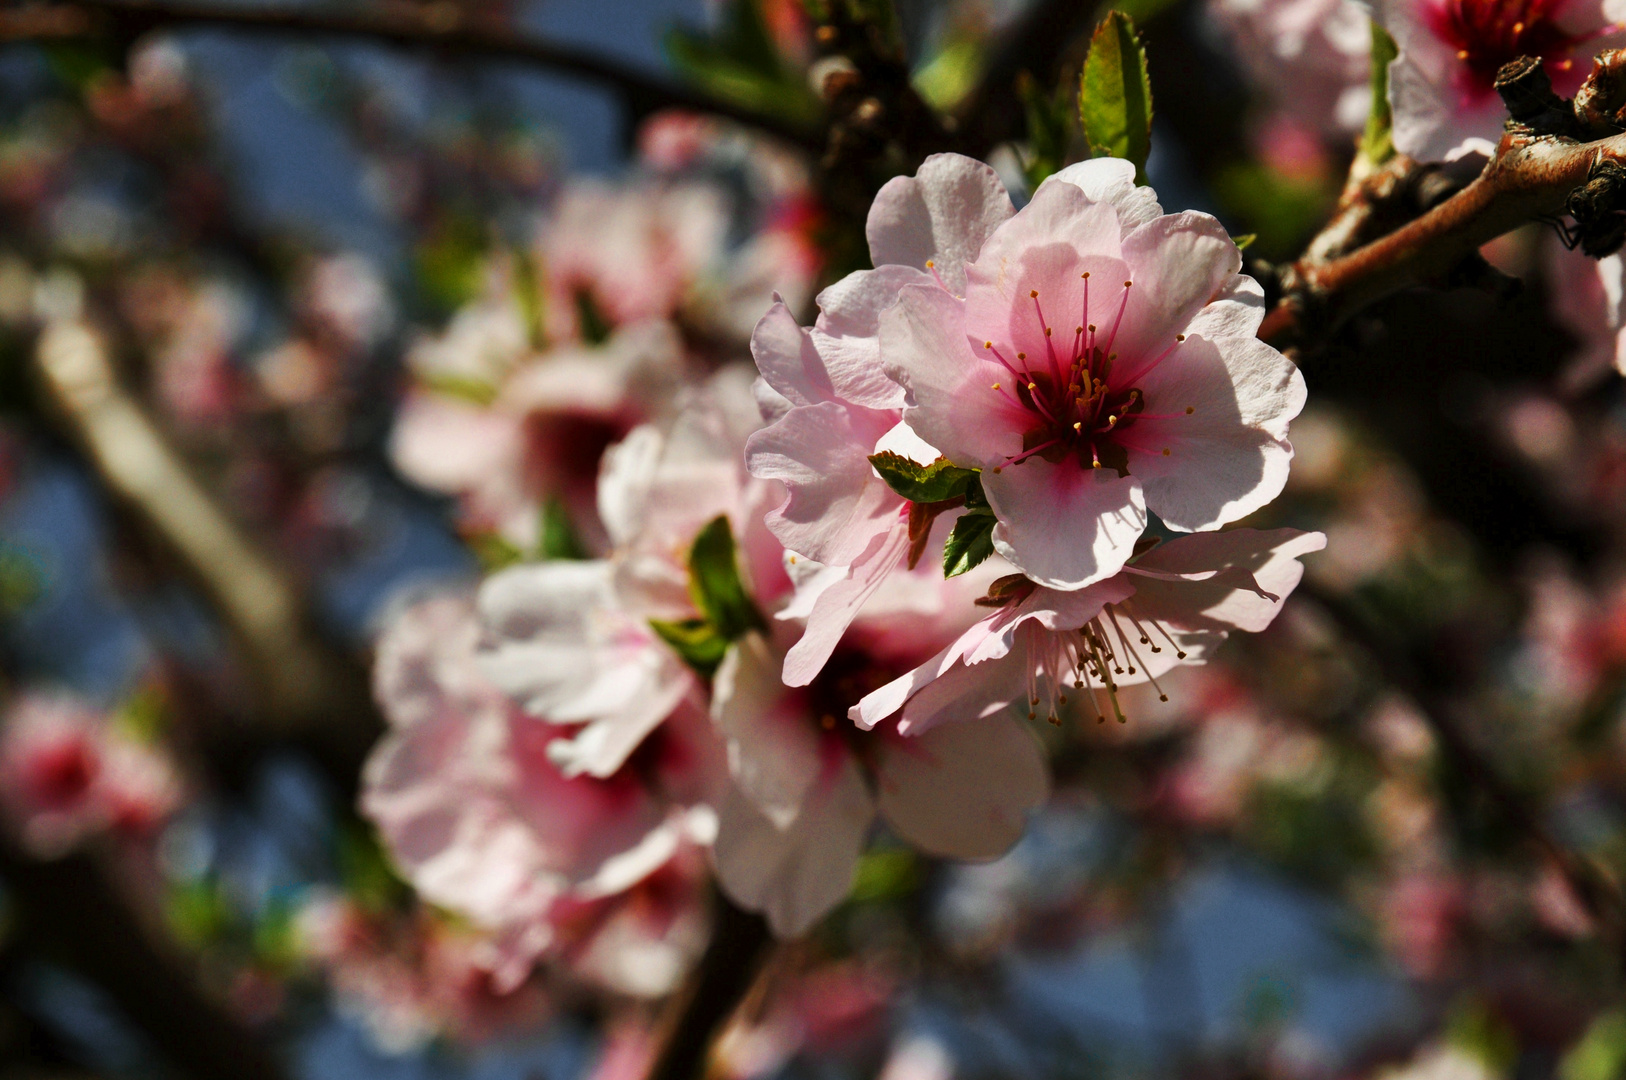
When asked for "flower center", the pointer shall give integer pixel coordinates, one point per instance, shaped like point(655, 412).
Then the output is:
point(1084, 402)
point(1089, 658)
point(1488, 33)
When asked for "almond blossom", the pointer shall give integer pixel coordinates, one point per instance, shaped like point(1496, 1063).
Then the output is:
point(482, 822)
point(572, 641)
point(1441, 83)
point(69, 773)
point(1172, 605)
point(835, 401)
point(1102, 363)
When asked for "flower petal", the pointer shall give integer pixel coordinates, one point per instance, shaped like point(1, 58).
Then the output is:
point(1064, 526)
point(1179, 262)
point(1216, 604)
point(949, 399)
point(1236, 311)
point(837, 505)
point(846, 334)
point(773, 749)
point(795, 876)
point(1112, 180)
point(943, 214)
point(1220, 409)
point(962, 791)
point(838, 604)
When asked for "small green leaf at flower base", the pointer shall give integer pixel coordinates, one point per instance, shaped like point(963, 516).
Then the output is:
point(1377, 144)
point(938, 482)
point(696, 642)
point(1244, 240)
point(1115, 102)
point(557, 535)
point(969, 544)
point(715, 585)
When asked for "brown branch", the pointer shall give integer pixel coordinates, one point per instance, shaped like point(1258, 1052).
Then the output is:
point(740, 943)
point(302, 689)
point(440, 27)
point(1529, 177)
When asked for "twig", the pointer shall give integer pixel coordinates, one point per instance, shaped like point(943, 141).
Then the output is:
point(441, 27)
point(739, 945)
point(70, 910)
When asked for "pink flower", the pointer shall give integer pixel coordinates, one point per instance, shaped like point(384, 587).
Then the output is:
point(478, 817)
point(804, 796)
point(1311, 56)
point(506, 428)
point(572, 642)
point(66, 773)
point(1171, 606)
point(1102, 363)
point(1440, 85)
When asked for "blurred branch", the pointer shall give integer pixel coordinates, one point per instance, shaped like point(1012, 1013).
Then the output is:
point(740, 942)
point(1599, 893)
point(69, 910)
point(438, 26)
point(301, 686)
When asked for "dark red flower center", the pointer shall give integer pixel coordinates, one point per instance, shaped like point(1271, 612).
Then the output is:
point(1485, 34)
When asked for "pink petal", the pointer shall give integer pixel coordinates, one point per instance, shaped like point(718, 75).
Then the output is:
point(839, 604)
point(963, 791)
point(787, 358)
point(1112, 180)
point(1228, 456)
point(795, 876)
point(1216, 604)
point(1236, 311)
point(1178, 263)
point(1064, 526)
point(943, 214)
point(847, 331)
point(773, 751)
point(1001, 308)
point(1060, 214)
point(950, 401)
point(836, 504)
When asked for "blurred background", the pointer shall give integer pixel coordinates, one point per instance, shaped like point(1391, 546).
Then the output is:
point(316, 260)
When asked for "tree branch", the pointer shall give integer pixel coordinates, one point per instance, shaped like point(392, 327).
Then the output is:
point(440, 27)
point(740, 942)
point(302, 688)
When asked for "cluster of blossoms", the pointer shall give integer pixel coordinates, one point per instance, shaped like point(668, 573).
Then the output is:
point(837, 593)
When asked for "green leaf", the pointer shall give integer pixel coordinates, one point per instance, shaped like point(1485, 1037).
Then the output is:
point(594, 326)
point(937, 482)
point(969, 544)
point(696, 641)
point(1377, 144)
point(558, 534)
point(740, 61)
point(494, 551)
point(1601, 1052)
point(1244, 240)
point(714, 582)
point(468, 388)
point(1116, 99)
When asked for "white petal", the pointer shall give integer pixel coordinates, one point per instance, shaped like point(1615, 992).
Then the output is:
point(963, 791)
point(943, 214)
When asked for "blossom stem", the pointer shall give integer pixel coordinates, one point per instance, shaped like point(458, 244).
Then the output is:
point(740, 944)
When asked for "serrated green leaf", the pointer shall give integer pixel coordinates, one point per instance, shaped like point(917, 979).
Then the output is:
point(715, 585)
point(938, 482)
point(558, 538)
point(1377, 144)
point(969, 544)
point(695, 641)
point(1115, 102)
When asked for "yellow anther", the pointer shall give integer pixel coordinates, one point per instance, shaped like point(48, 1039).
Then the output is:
point(930, 263)
point(1033, 294)
point(1128, 283)
point(988, 344)
point(1032, 387)
point(1021, 356)
point(1047, 331)
point(1086, 274)
point(996, 386)
point(1462, 54)
point(1078, 425)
